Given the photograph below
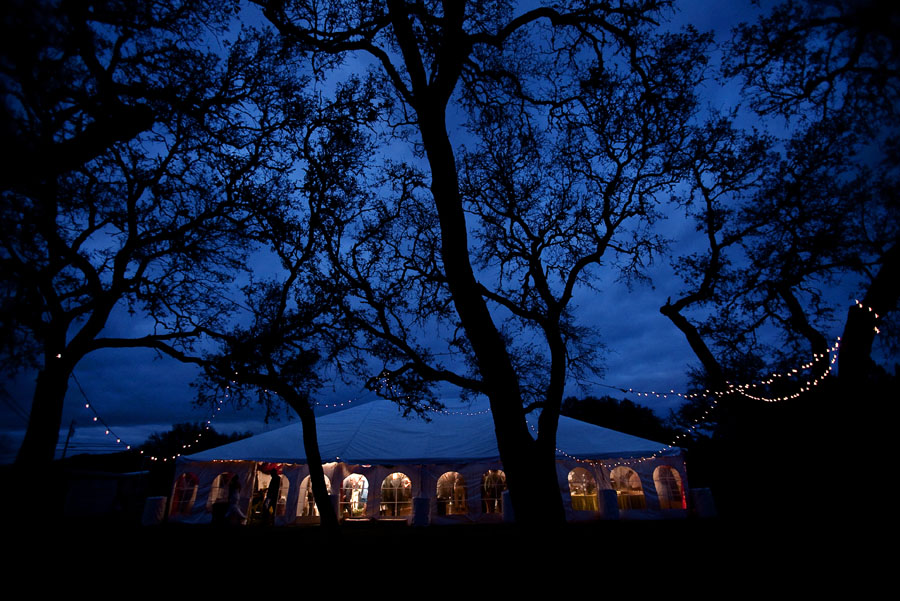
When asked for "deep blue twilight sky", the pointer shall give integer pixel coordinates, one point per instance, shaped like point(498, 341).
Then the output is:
point(138, 393)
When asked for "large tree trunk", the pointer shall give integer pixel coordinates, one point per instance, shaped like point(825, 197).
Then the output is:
point(862, 404)
point(534, 491)
point(39, 447)
point(327, 517)
point(548, 423)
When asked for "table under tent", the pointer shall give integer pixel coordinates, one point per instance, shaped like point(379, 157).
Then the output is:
point(383, 466)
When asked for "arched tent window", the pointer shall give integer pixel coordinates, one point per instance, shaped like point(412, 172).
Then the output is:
point(583, 490)
point(627, 484)
point(184, 493)
point(354, 494)
point(668, 487)
point(396, 495)
point(307, 502)
point(218, 493)
point(493, 483)
point(451, 494)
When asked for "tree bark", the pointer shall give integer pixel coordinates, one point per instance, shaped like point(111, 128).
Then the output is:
point(39, 447)
point(518, 451)
point(534, 491)
point(327, 517)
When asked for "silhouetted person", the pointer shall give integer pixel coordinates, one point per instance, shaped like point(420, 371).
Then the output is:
point(270, 505)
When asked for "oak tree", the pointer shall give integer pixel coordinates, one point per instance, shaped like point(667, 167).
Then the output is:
point(832, 69)
point(314, 179)
point(133, 157)
point(801, 214)
point(576, 112)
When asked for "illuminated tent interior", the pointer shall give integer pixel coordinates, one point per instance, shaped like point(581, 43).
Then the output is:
point(382, 466)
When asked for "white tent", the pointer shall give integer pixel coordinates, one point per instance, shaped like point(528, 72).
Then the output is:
point(381, 465)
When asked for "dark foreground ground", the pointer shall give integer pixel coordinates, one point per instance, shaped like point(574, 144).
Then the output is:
point(786, 554)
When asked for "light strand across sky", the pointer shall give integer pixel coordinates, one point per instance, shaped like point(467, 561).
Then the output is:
point(713, 397)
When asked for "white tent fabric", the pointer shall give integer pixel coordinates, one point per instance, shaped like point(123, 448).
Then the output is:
point(375, 440)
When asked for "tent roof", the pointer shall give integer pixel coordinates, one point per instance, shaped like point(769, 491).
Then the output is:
point(377, 433)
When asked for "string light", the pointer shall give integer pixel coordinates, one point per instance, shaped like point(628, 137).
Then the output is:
point(607, 464)
point(208, 423)
point(334, 405)
point(713, 395)
point(866, 308)
point(743, 389)
point(109, 432)
point(345, 403)
point(96, 417)
point(466, 413)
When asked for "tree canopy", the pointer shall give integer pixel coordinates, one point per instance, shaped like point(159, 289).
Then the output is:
point(133, 162)
point(439, 218)
point(797, 216)
point(574, 118)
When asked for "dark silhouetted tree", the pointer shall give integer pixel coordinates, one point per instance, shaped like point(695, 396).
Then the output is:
point(134, 148)
point(621, 415)
point(187, 438)
point(790, 221)
point(833, 69)
point(315, 178)
point(726, 167)
point(576, 115)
